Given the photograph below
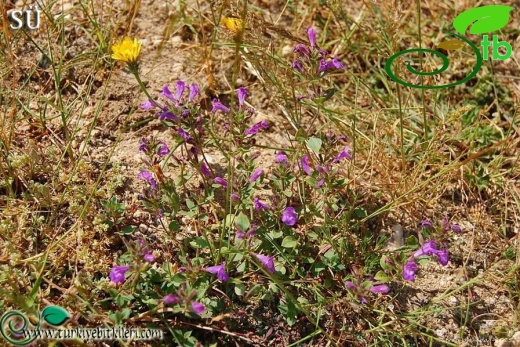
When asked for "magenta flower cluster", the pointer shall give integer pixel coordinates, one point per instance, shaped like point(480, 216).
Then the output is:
point(242, 93)
point(326, 170)
point(118, 272)
point(427, 249)
point(305, 56)
point(220, 271)
point(179, 110)
point(151, 147)
point(360, 289)
point(267, 262)
point(172, 299)
point(445, 225)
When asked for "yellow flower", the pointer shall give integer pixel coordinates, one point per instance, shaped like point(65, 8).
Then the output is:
point(126, 50)
point(232, 23)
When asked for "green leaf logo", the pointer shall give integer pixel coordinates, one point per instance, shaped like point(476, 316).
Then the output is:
point(485, 19)
point(55, 315)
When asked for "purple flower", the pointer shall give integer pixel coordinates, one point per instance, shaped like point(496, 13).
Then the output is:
point(147, 105)
point(148, 256)
point(171, 299)
point(166, 93)
point(323, 53)
point(312, 36)
point(259, 205)
point(426, 224)
point(185, 113)
point(429, 248)
point(320, 169)
point(147, 176)
point(256, 175)
point(240, 234)
point(335, 64)
point(267, 262)
point(204, 169)
point(194, 91)
point(252, 230)
point(343, 154)
point(306, 165)
point(167, 114)
point(297, 65)
point(443, 256)
point(289, 216)
point(360, 290)
point(320, 183)
point(180, 90)
point(255, 128)
point(350, 285)
point(184, 134)
point(323, 65)
point(143, 145)
point(456, 228)
point(220, 271)
point(117, 274)
point(217, 106)
point(280, 158)
point(302, 49)
point(163, 149)
point(234, 197)
point(242, 94)
point(197, 307)
point(409, 270)
point(380, 288)
point(221, 181)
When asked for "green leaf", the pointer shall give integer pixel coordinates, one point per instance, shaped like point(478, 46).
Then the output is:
point(312, 235)
point(55, 315)
point(485, 19)
point(382, 262)
point(314, 143)
point(190, 204)
point(412, 241)
point(318, 267)
point(289, 242)
point(199, 242)
point(302, 300)
point(240, 289)
point(178, 279)
point(241, 268)
point(275, 234)
point(280, 268)
point(229, 220)
point(329, 93)
point(242, 222)
point(128, 229)
point(289, 311)
point(381, 277)
point(360, 213)
point(174, 226)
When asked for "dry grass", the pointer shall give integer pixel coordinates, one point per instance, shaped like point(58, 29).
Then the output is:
point(70, 127)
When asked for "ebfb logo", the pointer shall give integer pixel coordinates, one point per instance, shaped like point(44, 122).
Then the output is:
point(482, 20)
point(15, 326)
